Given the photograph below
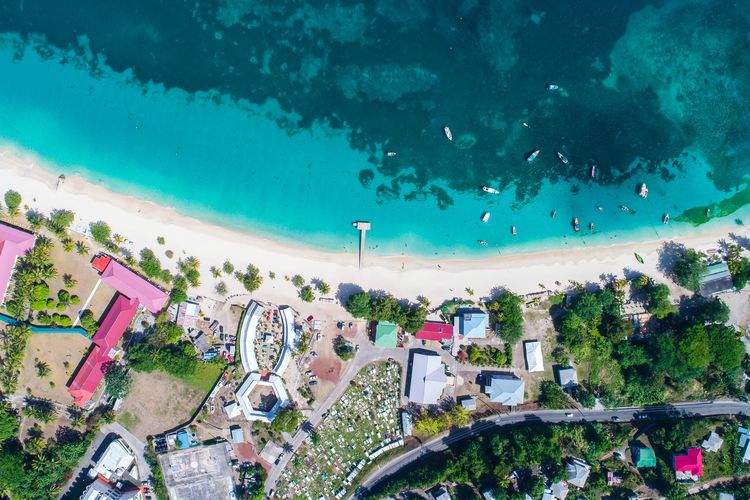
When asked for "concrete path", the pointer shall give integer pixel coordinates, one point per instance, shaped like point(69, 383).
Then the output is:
point(87, 302)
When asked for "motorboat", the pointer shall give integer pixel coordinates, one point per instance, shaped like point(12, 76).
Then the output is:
point(448, 133)
point(576, 226)
point(482, 242)
point(532, 156)
point(665, 219)
point(624, 208)
point(563, 158)
point(553, 214)
point(485, 216)
point(593, 171)
point(591, 226)
point(600, 208)
point(391, 153)
point(553, 86)
point(643, 192)
point(525, 124)
point(490, 190)
point(513, 230)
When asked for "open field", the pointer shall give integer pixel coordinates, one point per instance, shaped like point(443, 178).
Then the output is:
point(363, 420)
point(157, 402)
point(55, 350)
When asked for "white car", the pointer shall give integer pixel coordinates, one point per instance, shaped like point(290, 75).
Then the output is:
point(356, 347)
point(313, 354)
point(569, 415)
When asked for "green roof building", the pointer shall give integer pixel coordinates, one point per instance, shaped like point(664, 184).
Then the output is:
point(386, 334)
point(644, 457)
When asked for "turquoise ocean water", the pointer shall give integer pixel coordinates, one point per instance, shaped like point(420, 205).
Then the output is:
point(277, 163)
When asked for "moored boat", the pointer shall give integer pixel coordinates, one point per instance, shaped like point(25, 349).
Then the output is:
point(490, 190)
point(593, 171)
point(485, 216)
point(643, 192)
point(553, 86)
point(576, 226)
point(563, 158)
point(482, 242)
point(532, 156)
point(448, 133)
point(624, 208)
point(513, 230)
point(391, 153)
point(665, 219)
point(591, 226)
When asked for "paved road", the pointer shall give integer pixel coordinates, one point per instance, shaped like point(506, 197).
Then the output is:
point(441, 442)
point(368, 354)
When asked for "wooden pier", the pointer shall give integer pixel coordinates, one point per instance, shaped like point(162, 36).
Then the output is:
point(363, 227)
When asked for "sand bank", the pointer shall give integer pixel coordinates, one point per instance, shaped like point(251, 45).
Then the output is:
point(141, 222)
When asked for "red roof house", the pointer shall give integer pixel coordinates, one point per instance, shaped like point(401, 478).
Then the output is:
point(14, 243)
point(100, 262)
point(689, 467)
point(134, 286)
point(110, 332)
point(435, 331)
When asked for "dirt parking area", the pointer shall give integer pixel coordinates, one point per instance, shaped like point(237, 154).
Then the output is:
point(61, 353)
point(157, 402)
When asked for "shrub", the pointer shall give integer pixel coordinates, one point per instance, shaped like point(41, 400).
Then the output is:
point(101, 232)
point(12, 201)
point(150, 265)
point(88, 322)
point(160, 240)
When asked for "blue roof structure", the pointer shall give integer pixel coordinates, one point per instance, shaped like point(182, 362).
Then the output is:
point(237, 435)
point(473, 323)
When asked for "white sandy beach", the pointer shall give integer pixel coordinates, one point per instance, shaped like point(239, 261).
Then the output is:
point(141, 222)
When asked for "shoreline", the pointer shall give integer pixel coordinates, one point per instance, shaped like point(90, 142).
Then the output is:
point(404, 276)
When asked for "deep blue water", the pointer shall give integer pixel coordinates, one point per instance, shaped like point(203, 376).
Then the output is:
point(274, 117)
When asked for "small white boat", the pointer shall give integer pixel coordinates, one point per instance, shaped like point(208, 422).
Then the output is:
point(665, 219)
point(482, 242)
point(643, 192)
point(563, 158)
point(591, 226)
point(593, 171)
point(532, 156)
point(391, 153)
point(513, 230)
point(525, 124)
point(553, 86)
point(448, 133)
point(485, 216)
point(490, 190)
point(624, 208)
point(600, 208)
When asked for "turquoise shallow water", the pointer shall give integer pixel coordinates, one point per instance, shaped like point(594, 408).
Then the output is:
point(298, 176)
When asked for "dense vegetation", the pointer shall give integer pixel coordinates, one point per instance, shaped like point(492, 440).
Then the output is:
point(506, 314)
point(411, 317)
point(682, 349)
point(286, 420)
point(435, 421)
point(486, 355)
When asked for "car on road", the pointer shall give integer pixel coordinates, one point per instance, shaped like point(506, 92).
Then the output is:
point(569, 415)
point(641, 416)
point(356, 347)
point(615, 418)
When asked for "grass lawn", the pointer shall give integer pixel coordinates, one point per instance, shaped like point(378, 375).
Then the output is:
point(205, 376)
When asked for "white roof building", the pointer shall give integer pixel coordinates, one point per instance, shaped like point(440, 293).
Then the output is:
point(428, 378)
point(578, 472)
point(101, 490)
point(245, 391)
point(568, 377)
point(559, 490)
point(115, 461)
point(534, 359)
point(712, 443)
point(233, 410)
point(505, 389)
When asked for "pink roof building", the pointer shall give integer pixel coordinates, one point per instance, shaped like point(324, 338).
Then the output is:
point(435, 331)
point(113, 326)
point(14, 243)
point(689, 467)
point(134, 286)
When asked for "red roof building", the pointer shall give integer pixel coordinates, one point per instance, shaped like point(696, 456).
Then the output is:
point(134, 286)
point(435, 331)
point(100, 262)
point(113, 326)
point(689, 467)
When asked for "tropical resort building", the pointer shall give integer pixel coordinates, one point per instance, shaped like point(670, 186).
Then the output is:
point(689, 467)
point(427, 378)
point(534, 359)
point(133, 291)
point(716, 279)
point(386, 334)
point(504, 388)
point(578, 472)
point(472, 323)
point(14, 243)
point(435, 331)
point(643, 457)
point(568, 377)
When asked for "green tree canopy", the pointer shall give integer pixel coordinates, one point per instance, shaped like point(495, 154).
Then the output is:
point(658, 300)
point(507, 314)
point(60, 220)
point(359, 305)
point(726, 348)
point(286, 420)
point(12, 201)
point(118, 381)
point(688, 269)
point(693, 349)
point(101, 232)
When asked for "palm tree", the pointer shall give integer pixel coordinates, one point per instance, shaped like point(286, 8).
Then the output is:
point(81, 248)
point(118, 239)
point(68, 245)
